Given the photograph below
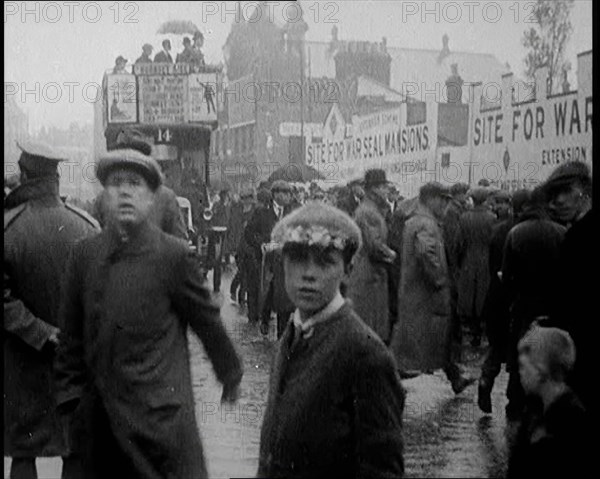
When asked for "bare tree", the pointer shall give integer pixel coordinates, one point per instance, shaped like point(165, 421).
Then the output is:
point(547, 40)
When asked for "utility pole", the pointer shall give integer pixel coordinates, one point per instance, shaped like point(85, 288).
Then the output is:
point(302, 146)
point(471, 119)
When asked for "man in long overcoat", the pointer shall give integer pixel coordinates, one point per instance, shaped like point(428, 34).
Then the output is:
point(39, 230)
point(368, 282)
point(166, 213)
point(129, 295)
point(421, 337)
point(569, 190)
point(531, 276)
point(473, 243)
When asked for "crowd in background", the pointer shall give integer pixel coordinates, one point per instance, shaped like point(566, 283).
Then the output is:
point(503, 272)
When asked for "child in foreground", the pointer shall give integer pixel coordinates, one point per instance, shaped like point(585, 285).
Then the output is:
point(335, 400)
point(554, 436)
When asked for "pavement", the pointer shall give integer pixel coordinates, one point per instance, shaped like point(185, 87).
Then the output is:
point(446, 435)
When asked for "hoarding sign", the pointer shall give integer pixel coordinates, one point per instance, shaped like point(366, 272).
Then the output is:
point(121, 94)
point(163, 99)
point(203, 97)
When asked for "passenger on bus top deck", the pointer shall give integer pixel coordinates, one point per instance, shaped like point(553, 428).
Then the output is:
point(186, 55)
point(120, 63)
point(146, 52)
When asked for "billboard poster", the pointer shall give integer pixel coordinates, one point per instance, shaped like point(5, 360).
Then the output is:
point(203, 97)
point(163, 99)
point(121, 98)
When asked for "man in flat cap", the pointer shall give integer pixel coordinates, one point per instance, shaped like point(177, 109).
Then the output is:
point(39, 231)
point(129, 295)
point(145, 56)
point(569, 191)
point(335, 402)
point(368, 283)
point(421, 339)
point(166, 213)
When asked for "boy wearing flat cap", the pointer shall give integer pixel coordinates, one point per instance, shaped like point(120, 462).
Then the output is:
point(335, 400)
point(129, 295)
point(554, 437)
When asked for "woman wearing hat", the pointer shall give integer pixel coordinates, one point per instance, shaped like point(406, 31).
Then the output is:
point(129, 295)
point(368, 283)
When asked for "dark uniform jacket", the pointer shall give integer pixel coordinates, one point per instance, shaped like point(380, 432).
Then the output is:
point(39, 231)
point(166, 213)
point(335, 405)
point(126, 308)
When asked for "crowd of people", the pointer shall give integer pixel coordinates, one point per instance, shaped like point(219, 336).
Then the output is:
point(367, 289)
point(191, 53)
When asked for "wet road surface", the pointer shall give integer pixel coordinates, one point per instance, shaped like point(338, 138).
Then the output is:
point(445, 435)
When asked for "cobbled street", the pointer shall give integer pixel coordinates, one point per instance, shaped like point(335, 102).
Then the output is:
point(445, 435)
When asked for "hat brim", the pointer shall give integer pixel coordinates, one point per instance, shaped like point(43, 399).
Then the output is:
point(128, 161)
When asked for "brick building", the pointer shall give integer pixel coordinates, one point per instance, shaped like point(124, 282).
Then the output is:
point(279, 84)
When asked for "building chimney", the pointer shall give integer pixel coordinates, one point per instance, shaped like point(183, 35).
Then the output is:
point(445, 49)
point(334, 34)
point(384, 45)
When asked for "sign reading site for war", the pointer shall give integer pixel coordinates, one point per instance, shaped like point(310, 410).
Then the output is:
point(163, 99)
point(517, 144)
point(121, 98)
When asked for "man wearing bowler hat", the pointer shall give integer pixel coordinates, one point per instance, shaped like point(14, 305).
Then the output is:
point(368, 282)
point(422, 335)
point(129, 295)
point(39, 231)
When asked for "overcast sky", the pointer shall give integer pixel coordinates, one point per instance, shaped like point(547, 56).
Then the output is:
point(77, 43)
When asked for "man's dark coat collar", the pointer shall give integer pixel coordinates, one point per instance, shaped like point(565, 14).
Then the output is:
point(40, 189)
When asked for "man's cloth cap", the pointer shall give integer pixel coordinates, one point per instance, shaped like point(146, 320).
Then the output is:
point(121, 58)
point(317, 224)
point(147, 46)
point(134, 139)
point(479, 195)
point(375, 177)
point(281, 186)
point(568, 173)
point(434, 189)
point(130, 159)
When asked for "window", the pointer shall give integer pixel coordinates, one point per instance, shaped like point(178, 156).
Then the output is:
point(445, 160)
point(416, 112)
